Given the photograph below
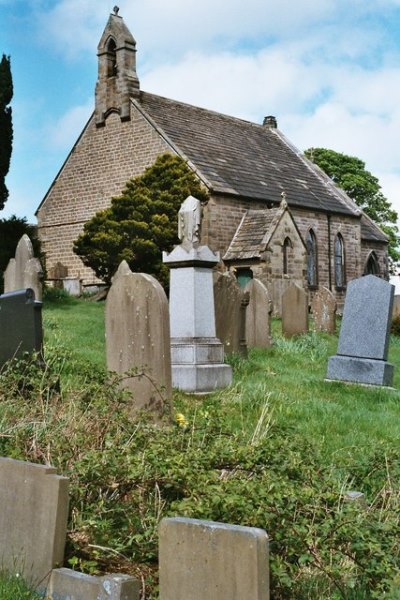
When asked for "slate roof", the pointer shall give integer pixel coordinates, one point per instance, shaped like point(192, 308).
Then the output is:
point(253, 234)
point(243, 158)
point(370, 231)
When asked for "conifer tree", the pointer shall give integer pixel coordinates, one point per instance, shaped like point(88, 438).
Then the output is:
point(6, 131)
point(140, 223)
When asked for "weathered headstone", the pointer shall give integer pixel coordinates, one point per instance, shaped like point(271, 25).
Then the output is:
point(33, 519)
point(230, 312)
point(294, 311)
point(396, 307)
point(203, 560)
point(66, 584)
point(197, 355)
point(20, 325)
point(323, 307)
point(72, 285)
point(364, 336)
point(258, 315)
point(25, 271)
point(137, 337)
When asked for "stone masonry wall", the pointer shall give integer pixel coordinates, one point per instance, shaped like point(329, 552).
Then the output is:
point(100, 164)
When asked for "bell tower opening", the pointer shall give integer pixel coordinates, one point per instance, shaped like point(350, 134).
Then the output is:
point(111, 58)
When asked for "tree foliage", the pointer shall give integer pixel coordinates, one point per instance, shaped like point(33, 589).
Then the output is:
point(6, 131)
point(349, 173)
point(11, 231)
point(141, 222)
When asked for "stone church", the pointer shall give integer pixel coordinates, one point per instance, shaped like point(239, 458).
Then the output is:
point(272, 214)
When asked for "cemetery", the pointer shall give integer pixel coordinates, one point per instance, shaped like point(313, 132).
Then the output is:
point(123, 477)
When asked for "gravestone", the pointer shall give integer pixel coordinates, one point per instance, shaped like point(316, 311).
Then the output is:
point(20, 325)
point(137, 337)
point(204, 560)
point(66, 584)
point(25, 271)
point(323, 307)
point(230, 312)
point(364, 335)
point(197, 355)
point(294, 311)
point(33, 519)
point(258, 315)
point(396, 307)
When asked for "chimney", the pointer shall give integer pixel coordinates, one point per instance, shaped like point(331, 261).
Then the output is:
point(270, 122)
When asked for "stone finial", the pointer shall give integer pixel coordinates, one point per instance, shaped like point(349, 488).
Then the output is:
point(116, 10)
point(189, 221)
point(284, 203)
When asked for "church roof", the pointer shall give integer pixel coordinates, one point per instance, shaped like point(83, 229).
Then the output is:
point(253, 234)
point(370, 231)
point(242, 158)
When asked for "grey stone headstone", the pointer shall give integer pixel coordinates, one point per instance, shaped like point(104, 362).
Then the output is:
point(294, 311)
point(23, 254)
point(9, 276)
point(138, 337)
point(230, 313)
point(323, 308)
point(65, 584)
point(33, 519)
point(204, 560)
point(20, 325)
point(364, 334)
point(33, 276)
point(258, 315)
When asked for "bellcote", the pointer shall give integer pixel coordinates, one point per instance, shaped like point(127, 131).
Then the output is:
point(117, 80)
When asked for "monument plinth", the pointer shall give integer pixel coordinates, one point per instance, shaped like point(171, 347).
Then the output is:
point(197, 355)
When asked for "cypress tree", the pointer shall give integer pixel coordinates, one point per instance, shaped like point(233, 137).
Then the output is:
point(6, 131)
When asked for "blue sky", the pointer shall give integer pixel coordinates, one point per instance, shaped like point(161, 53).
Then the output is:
point(329, 70)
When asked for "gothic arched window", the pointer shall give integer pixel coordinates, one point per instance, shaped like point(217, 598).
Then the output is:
point(340, 271)
point(287, 244)
point(372, 265)
point(112, 58)
point(312, 268)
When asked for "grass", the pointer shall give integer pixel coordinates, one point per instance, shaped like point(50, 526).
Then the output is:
point(277, 450)
point(13, 587)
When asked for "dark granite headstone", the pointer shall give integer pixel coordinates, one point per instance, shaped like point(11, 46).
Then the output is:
point(364, 335)
point(20, 324)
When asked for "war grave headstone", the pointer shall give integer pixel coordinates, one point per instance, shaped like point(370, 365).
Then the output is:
point(138, 337)
point(21, 329)
point(258, 315)
point(230, 312)
point(204, 560)
point(24, 271)
point(323, 307)
point(33, 519)
point(294, 311)
point(197, 354)
point(364, 335)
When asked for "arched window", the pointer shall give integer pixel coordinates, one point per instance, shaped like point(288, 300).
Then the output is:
point(340, 271)
point(112, 58)
point(287, 244)
point(372, 265)
point(312, 269)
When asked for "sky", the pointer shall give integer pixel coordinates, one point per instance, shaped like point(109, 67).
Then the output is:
point(329, 70)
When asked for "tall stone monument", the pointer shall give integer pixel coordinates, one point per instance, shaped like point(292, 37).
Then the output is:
point(197, 355)
point(137, 337)
point(364, 336)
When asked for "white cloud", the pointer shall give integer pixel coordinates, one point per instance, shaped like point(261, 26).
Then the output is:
point(64, 132)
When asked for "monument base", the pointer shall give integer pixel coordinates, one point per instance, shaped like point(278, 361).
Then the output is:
point(197, 365)
point(368, 371)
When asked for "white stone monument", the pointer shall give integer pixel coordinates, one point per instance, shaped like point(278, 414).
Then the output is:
point(197, 355)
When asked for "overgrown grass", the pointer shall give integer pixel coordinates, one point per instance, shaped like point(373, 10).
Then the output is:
point(279, 450)
point(13, 587)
